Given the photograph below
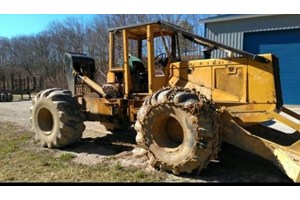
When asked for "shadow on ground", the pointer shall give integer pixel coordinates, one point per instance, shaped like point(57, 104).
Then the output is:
point(108, 145)
point(233, 165)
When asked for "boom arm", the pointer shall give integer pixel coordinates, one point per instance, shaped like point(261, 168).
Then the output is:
point(211, 44)
point(90, 83)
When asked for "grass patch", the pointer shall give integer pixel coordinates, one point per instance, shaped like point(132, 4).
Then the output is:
point(21, 163)
point(140, 174)
point(66, 157)
point(118, 166)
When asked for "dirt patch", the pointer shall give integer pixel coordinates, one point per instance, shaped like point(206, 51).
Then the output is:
point(119, 148)
point(17, 112)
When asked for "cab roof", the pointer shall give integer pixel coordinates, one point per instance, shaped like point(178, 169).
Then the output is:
point(139, 31)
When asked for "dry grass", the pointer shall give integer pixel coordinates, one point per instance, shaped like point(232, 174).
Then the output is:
point(23, 161)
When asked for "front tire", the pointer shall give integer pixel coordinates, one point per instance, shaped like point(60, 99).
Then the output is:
point(179, 129)
point(56, 118)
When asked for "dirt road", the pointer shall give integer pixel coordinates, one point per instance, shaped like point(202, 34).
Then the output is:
point(99, 145)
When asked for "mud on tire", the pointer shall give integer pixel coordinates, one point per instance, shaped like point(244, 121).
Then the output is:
point(180, 129)
point(56, 118)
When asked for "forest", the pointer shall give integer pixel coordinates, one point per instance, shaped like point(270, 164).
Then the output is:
point(41, 55)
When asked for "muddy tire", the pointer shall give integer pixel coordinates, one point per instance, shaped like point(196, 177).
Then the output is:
point(180, 129)
point(56, 118)
point(3, 97)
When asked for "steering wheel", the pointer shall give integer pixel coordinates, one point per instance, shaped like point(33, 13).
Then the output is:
point(161, 59)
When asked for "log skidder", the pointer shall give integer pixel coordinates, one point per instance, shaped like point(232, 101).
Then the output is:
point(56, 118)
point(180, 129)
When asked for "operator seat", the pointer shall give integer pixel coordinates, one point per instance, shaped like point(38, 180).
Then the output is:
point(139, 80)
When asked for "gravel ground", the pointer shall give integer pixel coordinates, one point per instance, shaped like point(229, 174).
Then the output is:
point(99, 145)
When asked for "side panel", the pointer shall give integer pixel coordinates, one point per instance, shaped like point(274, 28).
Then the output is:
point(230, 83)
point(245, 87)
point(231, 80)
point(261, 83)
point(192, 72)
point(191, 75)
point(225, 78)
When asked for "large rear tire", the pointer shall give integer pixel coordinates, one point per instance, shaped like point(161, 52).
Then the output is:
point(180, 129)
point(56, 118)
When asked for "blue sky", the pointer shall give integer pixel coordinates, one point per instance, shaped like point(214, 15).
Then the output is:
point(25, 24)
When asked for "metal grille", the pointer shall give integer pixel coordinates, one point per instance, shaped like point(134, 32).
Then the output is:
point(118, 51)
point(99, 77)
point(82, 89)
point(132, 47)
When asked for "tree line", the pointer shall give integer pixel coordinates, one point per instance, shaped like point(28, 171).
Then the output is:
point(41, 55)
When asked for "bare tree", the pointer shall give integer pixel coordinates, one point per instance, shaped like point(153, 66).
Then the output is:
point(41, 55)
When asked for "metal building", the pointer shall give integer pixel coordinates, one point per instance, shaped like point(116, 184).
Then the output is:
point(277, 34)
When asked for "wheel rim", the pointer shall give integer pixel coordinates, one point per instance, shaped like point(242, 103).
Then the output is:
point(168, 132)
point(45, 120)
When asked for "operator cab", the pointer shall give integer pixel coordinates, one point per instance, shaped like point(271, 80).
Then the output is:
point(139, 57)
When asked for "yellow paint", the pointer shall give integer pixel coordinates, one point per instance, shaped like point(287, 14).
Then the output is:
point(127, 81)
point(98, 106)
point(261, 85)
point(243, 87)
point(284, 120)
point(111, 77)
point(111, 51)
point(286, 160)
point(288, 164)
point(230, 79)
point(150, 48)
point(93, 85)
